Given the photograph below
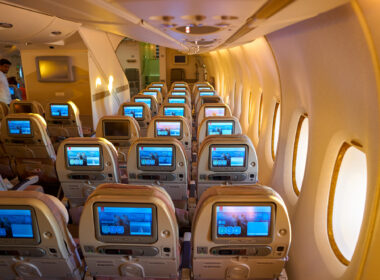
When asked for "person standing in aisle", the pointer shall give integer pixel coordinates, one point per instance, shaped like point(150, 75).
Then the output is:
point(5, 95)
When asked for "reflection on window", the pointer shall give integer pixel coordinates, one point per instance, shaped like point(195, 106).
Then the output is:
point(260, 113)
point(347, 201)
point(276, 129)
point(300, 153)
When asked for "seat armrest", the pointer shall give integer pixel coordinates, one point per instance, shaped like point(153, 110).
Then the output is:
point(186, 257)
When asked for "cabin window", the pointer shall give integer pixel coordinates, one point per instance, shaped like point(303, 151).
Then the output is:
point(347, 201)
point(250, 107)
point(276, 129)
point(260, 114)
point(301, 143)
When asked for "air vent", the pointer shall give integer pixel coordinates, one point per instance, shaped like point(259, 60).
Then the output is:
point(197, 29)
point(224, 17)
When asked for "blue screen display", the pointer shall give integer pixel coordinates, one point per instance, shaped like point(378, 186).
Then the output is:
point(179, 84)
point(204, 88)
point(58, 110)
point(125, 221)
point(174, 111)
point(147, 101)
point(228, 156)
point(155, 88)
point(168, 128)
point(12, 90)
point(243, 221)
point(16, 223)
point(83, 156)
point(180, 93)
point(177, 100)
point(220, 128)
point(156, 156)
point(179, 88)
point(134, 111)
point(207, 93)
point(19, 127)
point(214, 111)
point(157, 85)
point(151, 93)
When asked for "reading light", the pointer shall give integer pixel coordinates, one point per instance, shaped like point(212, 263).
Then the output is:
point(187, 29)
point(110, 83)
point(98, 82)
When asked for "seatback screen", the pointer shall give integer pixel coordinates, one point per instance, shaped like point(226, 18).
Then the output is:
point(147, 101)
point(116, 128)
point(125, 221)
point(204, 88)
point(151, 93)
point(12, 91)
point(179, 84)
point(179, 88)
point(157, 85)
point(59, 110)
point(168, 128)
point(206, 93)
point(176, 100)
point(178, 93)
point(220, 127)
point(153, 157)
point(136, 112)
point(215, 111)
point(16, 223)
point(155, 88)
point(83, 156)
point(174, 111)
point(19, 127)
point(228, 156)
point(243, 221)
point(23, 108)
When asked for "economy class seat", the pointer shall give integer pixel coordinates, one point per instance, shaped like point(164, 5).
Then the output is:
point(26, 106)
point(201, 93)
point(240, 232)
point(25, 139)
point(63, 121)
point(212, 110)
point(153, 91)
point(121, 131)
point(4, 110)
point(35, 242)
point(180, 93)
point(215, 99)
point(226, 159)
point(130, 231)
point(172, 126)
point(7, 168)
point(83, 163)
point(175, 99)
point(163, 88)
point(218, 126)
point(148, 100)
point(139, 111)
point(202, 85)
point(182, 110)
point(163, 162)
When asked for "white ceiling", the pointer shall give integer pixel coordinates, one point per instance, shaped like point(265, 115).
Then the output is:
point(155, 21)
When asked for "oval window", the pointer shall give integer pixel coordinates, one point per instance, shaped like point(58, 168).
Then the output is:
point(260, 119)
point(347, 201)
point(301, 143)
point(276, 129)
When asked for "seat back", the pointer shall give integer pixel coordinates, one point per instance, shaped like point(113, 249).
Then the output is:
point(182, 110)
point(215, 99)
point(203, 92)
point(26, 106)
point(226, 160)
point(149, 100)
point(180, 83)
point(212, 110)
point(4, 110)
point(139, 111)
point(25, 138)
point(176, 87)
point(201, 85)
point(36, 243)
point(63, 120)
point(153, 91)
point(176, 127)
point(218, 126)
point(160, 161)
point(244, 231)
point(163, 85)
point(121, 131)
point(180, 93)
point(130, 231)
point(175, 99)
point(83, 163)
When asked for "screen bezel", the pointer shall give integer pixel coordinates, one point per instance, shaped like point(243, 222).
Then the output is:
point(170, 98)
point(174, 121)
point(156, 168)
point(116, 137)
point(85, 168)
point(145, 97)
point(143, 112)
point(253, 240)
point(215, 107)
point(23, 241)
point(21, 135)
point(126, 239)
point(183, 107)
point(220, 121)
point(229, 169)
point(60, 117)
